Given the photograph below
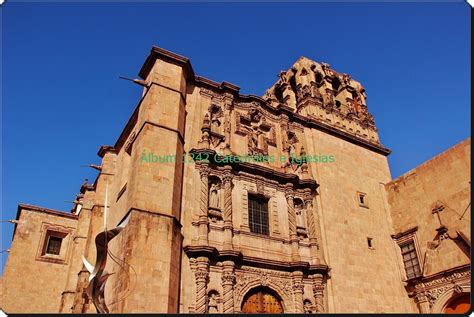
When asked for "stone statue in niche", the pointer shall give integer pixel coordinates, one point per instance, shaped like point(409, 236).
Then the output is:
point(215, 123)
point(292, 153)
point(307, 306)
point(300, 218)
point(252, 141)
point(216, 118)
point(214, 199)
point(212, 305)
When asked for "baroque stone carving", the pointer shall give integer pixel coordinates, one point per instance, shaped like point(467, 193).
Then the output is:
point(432, 290)
point(228, 281)
point(213, 298)
point(247, 278)
point(258, 131)
point(201, 274)
point(316, 91)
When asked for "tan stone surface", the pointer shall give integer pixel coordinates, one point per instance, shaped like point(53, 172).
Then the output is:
point(176, 251)
point(31, 283)
point(442, 181)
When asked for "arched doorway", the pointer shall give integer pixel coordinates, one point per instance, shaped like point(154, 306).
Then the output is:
point(262, 300)
point(458, 305)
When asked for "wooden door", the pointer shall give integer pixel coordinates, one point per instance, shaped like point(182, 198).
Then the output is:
point(263, 302)
point(458, 305)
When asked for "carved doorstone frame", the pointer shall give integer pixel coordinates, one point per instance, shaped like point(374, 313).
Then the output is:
point(431, 294)
point(249, 278)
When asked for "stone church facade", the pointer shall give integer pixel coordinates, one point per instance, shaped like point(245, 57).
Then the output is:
point(239, 203)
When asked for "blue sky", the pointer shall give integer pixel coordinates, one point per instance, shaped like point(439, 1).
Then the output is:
point(62, 99)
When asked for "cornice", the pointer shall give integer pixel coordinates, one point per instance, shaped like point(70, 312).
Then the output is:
point(243, 260)
point(254, 169)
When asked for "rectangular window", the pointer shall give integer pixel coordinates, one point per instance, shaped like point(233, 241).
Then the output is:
point(370, 243)
point(410, 259)
point(258, 214)
point(54, 245)
point(362, 199)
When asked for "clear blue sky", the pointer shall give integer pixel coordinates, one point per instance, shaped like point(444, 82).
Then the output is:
point(62, 98)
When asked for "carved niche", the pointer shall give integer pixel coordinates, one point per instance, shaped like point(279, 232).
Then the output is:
point(215, 201)
point(214, 302)
point(217, 126)
point(300, 211)
point(293, 150)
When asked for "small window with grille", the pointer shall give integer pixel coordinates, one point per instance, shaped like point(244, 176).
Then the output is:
point(258, 214)
point(52, 243)
point(410, 259)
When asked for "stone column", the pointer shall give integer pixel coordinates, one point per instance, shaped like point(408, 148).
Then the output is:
point(204, 204)
point(298, 289)
point(202, 277)
point(292, 222)
point(227, 214)
point(422, 302)
point(228, 280)
point(318, 292)
point(313, 229)
point(227, 125)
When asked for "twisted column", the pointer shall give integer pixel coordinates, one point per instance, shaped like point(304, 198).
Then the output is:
point(292, 222)
point(313, 228)
point(202, 276)
point(298, 289)
point(228, 281)
point(227, 124)
point(204, 204)
point(291, 212)
point(227, 215)
point(318, 292)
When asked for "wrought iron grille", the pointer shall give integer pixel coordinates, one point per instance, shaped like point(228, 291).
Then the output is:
point(258, 215)
point(54, 245)
point(410, 260)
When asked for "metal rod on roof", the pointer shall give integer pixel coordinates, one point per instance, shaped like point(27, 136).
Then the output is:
point(11, 221)
point(136, 81)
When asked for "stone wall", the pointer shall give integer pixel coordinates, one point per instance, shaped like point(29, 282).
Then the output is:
point(431, 203)
point(363, 278)
point(34, 281)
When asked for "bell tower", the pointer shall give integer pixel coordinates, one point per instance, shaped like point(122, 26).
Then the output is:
point(330, 98)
